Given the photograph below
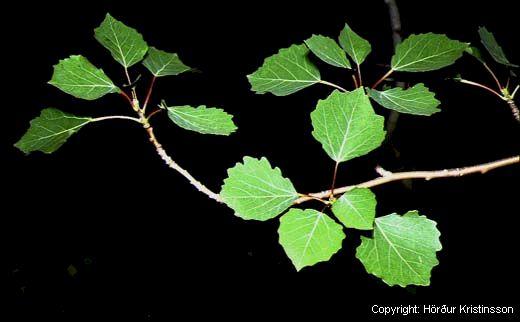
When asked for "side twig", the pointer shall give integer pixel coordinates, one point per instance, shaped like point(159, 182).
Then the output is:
point(427, 175)
point(134, 104)
point(172, 164)
point(333, 85)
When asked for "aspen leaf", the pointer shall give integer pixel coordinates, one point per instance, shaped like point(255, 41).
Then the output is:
point(202, 119)
point(78, 77)
point(328, 51)
point(49, 131)
point(402, 250)
point(309, 237)
point(161, 63)
point(416, 100)
point(356, 208)
point(494, 49)
point(425, 52)
point(254, 190)
point(346, 125)
point(286, 72)
point(126, 45)
point(355, 46)
point(475, 52)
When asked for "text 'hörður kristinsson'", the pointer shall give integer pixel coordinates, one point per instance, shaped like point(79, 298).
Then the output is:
point(440, 309)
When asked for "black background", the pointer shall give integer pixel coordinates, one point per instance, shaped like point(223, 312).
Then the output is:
point(146, 244)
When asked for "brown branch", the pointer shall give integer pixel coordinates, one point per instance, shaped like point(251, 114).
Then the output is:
point(493, 75)
point(126, 97)
point(359, 76)
point(354, 80)
point(172, 164)
point(514, 109)
point(153, 113)
point(395, 23)
point(150, 89)
point(427, 175)
point(385, 76)
point(334, 179)
point(134, 104)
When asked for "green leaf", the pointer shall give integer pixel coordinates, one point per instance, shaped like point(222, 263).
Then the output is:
point(203, 120)
point(50, 130)
point(356, 208)
point(475, 52)
point(126, 45)
point(490, 43)
point(402, 250)
point(416, 100)
point(328, 51)
point(78, 77)
point(254, 190)
point(161, 63)
point(286, 72)
point(356, 47)
point(346, 125)
point(424, 52)
point(309, 237)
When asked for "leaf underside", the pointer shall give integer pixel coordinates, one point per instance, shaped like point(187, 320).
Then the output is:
point(347, 126)
point(161, 63)
point(202, 119)
point(416, 100)
point(254, 190)
point(328, 50)
point(286, 72)
point(492, 46)
point(425, 52)
point(402, 250)
point(78, 77)
point(125, 44)
point(475, 52)
point(50, 130)
point(309, 237)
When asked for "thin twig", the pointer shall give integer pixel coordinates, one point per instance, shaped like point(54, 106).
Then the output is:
point(303, 195)
point(354, 80)
point(134, 104)
point(465, 81)
point(334, 180)
point(128, 77)
point(333, 85)
point(359, 75)
point(113, 117)
point(427, 175)
point(150, 89)
point(385, 76)
point(153, 113)
point(494, 76)
point(125, 95)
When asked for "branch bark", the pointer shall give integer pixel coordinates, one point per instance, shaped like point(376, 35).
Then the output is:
point(387, 177)
point(395, 23)
point(514, 109)
point(134, 103)
point(175, 166)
